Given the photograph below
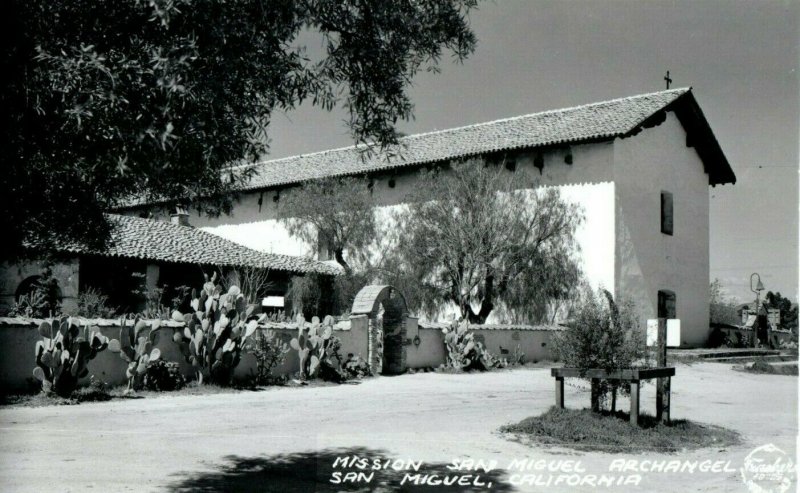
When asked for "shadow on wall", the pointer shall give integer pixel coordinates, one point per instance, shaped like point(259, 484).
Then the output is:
point(313, 471)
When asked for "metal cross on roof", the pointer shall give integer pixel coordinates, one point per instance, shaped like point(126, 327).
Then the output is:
point(666, 78)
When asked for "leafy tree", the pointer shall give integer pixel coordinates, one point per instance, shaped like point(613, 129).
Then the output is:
point(116, 99)
point(546, 291)
point(481, 242)
point(334, 213)
point(722, 310)
point(788, 312)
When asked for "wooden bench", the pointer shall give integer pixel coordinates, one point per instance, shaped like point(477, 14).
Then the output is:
point(632, 376)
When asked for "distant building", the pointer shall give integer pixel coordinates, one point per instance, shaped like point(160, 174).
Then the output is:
point(747, 312)
point(640, 166)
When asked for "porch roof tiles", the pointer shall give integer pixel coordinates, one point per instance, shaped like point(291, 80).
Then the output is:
point(161, 241)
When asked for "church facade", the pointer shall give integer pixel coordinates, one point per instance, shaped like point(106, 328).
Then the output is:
point(639, 166)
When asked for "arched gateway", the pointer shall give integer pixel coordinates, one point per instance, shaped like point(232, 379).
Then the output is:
point(386, 312)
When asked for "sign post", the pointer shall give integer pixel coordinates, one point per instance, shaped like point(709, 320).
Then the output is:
point(662, 333)
point(662, 384)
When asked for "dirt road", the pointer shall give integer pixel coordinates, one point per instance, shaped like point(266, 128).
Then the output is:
point(287, 439)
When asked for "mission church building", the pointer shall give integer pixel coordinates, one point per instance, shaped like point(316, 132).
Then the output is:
point(639, 166)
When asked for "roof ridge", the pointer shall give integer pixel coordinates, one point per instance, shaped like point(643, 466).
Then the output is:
point(681, 90)
point(547, 112)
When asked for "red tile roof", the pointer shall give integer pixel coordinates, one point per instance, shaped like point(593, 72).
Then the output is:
point(590, 122)
point(621, 117)
point(134, 237)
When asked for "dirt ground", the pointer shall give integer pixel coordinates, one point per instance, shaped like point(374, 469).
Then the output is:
point(286, 439)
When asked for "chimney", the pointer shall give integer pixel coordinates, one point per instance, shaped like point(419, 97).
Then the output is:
point(180, 216)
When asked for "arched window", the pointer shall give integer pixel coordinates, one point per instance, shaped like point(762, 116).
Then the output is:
point(31, 284)
point(26, 287)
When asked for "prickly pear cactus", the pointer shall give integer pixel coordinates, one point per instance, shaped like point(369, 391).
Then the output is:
point(315, 345)
point(63, 354)
point(216, 331)
point(464, 352)
point(137, 343)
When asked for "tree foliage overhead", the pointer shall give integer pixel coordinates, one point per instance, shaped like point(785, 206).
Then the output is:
point(472, 238)
point(112, 99)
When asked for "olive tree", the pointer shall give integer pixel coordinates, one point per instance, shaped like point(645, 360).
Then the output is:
point(471, 237)
point(334, 213)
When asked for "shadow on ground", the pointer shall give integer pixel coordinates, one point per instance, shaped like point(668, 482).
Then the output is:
point(313, 472)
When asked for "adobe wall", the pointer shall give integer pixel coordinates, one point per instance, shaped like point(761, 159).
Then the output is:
point(18, 338)
point(535, 345)
point(430, 353)
point(587, 181)
point(647, 260)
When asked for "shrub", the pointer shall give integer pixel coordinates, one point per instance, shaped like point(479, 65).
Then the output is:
point(738, 340)
point(270, 352)
point(602, 335)
point(93, 304)
point(163, 376)
point(43, 300)
point(356, 367)
point(29, 305)
point(153, 297)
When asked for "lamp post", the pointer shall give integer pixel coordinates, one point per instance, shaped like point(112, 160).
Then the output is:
point(757, 290)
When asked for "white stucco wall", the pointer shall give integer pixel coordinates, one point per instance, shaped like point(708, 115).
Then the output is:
point(595, 236)
point(647, 260)
point(618, 185)
point(586, 182)
point(269, 235)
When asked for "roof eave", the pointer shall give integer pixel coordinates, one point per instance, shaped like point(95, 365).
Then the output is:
point(704, 141)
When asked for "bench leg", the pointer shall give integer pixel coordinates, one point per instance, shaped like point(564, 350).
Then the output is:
point(596, 395)
point(659, 398)
point(635, 403)
point(666, 400)
point(559, 392)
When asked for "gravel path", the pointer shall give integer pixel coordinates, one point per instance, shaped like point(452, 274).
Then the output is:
point(234, 441)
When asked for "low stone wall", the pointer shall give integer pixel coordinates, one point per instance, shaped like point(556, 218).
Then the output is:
point(18, 338)
point(17, 359)
point(430, 351)
point(532, 341)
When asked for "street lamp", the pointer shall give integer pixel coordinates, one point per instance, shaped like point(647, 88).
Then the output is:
point(757, 290)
